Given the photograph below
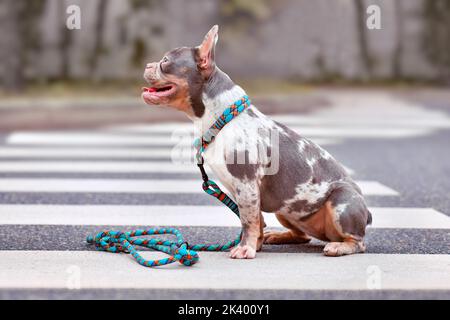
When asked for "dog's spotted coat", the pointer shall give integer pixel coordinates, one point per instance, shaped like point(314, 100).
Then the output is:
point(265, 165)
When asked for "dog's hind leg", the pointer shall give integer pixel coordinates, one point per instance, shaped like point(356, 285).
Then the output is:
point(346, 219)
point(290, 236)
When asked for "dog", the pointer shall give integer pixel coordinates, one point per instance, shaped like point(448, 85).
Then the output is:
point(310, 193)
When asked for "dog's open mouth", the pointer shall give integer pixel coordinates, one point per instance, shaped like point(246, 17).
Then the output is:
point(159, 91)
point(153, 95)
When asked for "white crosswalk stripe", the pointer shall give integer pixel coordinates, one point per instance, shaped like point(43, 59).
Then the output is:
point(138, 186)
point(96, 166)
point(118, 149)
point(176, 160)
point(183, 139)
point(183, 165)
point(191, 216)
point(313, 132)
point(51, 269)
point(93, 138)
point(83, 153)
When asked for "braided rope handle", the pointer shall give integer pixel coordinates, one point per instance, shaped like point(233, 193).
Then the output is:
point(116, 242)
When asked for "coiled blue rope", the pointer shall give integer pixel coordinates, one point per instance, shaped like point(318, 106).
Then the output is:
point(179, 250)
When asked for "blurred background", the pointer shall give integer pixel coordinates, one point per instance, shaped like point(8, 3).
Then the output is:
point(269, 46)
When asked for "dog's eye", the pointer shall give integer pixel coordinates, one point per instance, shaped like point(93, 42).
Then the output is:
point(163, 63)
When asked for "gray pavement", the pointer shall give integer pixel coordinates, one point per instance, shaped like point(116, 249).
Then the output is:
point(379, 241)
point(209, 294)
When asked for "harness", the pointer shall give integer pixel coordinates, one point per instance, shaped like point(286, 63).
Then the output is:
point(179, 249)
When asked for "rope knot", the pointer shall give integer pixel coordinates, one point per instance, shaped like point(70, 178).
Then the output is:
point(111, 241)
point(185, 256)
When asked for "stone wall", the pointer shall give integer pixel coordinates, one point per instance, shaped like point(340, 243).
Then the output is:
point(296, 39)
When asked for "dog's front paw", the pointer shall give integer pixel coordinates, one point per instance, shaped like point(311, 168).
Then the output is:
point(243, 252)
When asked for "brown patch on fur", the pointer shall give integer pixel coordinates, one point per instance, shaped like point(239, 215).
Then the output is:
point(181, 100)
point(322, 224)
point(285, 237)
point(291, 236)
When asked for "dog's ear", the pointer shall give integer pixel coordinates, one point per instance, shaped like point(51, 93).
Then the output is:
point(205, 52)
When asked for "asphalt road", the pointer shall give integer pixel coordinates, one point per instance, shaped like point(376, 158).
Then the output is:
point(410, 247)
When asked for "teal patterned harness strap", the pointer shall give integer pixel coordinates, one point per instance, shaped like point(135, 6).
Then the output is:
point(179, 250)
point(209, 186)
point(229, 114)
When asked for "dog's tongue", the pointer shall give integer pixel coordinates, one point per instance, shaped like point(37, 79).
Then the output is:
point(145, 89)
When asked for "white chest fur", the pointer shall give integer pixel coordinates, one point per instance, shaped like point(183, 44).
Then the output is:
point(243, 141)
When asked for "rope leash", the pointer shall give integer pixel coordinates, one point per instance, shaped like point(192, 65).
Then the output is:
point(179, 250)
point(117, 242)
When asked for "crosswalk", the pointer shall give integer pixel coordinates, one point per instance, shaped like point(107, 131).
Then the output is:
point(43, 223)
point(201, 216)
point(138, 186)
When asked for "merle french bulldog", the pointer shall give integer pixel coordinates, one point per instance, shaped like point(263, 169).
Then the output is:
point(310, 193)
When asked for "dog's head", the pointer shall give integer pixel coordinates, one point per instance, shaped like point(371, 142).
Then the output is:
point(177, 80)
